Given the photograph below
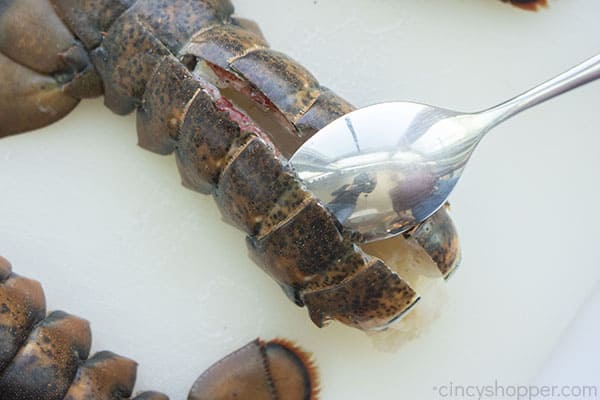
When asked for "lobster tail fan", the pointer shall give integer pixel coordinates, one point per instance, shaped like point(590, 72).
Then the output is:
point(45, 70)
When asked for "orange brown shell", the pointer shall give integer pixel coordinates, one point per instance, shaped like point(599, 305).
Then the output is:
point(273, 370)
point(45, 357)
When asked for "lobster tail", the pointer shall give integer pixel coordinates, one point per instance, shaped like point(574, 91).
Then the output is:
point(260, 370)
point(207, 86)
point(46, 357)
point(195, 97)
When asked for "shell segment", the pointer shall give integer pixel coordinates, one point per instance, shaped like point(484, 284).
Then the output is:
point(326, 108)
point(22, 305)
point(140, 37)
point(438, 236)
point(371, 300)
point(90, 19)
point(275, 370)
point(105, 375)
point(207, 140)
point(44, 69)
point(45, 358)
point(45, 365)
point(164, 106)
point(255, 183)
point(288, 85)
point(221, 44)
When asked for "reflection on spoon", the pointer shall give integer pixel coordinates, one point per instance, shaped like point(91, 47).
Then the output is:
point(383, 169)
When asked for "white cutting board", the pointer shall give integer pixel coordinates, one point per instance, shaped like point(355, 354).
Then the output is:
point(113, 237)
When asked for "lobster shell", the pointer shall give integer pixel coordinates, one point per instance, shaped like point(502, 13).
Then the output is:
point(45, 357)
point(166, 59)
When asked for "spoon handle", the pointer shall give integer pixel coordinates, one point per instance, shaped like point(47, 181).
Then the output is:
point(579, 75)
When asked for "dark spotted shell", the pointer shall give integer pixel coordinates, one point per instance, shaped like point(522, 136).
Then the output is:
point(45, 357)
point(164, 59)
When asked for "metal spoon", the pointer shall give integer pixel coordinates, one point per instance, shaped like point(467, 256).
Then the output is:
point(384, 168)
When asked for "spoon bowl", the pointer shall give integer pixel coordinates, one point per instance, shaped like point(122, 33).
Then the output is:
point(385, 168)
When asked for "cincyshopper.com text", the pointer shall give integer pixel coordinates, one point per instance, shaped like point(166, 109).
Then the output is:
point(497, 390)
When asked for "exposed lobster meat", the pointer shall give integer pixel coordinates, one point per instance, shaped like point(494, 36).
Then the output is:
point(200, 79)
point(45, 357)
